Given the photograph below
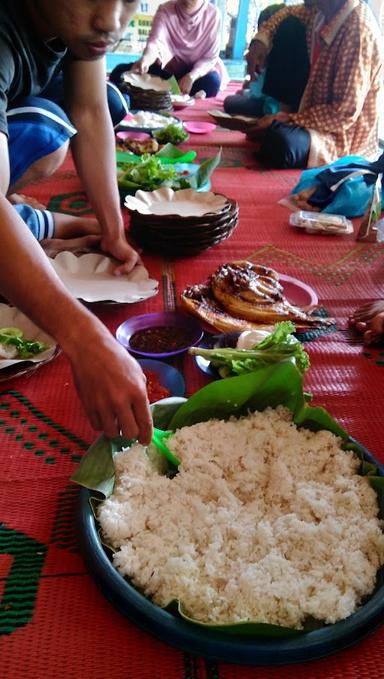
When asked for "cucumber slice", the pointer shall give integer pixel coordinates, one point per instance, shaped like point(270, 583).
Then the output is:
point(11, 332)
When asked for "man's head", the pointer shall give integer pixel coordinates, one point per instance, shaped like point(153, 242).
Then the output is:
point(88, 28)
point(328, 7)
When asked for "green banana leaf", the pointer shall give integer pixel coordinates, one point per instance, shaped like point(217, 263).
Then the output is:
point(204, 172)
point(169, 154)
point(280, 384)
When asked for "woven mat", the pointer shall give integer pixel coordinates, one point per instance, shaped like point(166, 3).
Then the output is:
point(54, 623)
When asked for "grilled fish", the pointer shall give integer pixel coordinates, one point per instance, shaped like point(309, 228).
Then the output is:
point(241, 296)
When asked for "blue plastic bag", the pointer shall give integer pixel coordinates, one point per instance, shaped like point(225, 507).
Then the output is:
point(344, 187)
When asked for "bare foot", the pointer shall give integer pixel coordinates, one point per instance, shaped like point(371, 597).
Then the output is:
point(369, 320)
point(21, 199)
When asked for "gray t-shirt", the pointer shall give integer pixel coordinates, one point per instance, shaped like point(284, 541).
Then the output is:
point(27, 63)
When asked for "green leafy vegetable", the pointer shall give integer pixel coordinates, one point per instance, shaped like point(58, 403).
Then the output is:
point(281, 344)
point(25, 348)
point(172, 133)
point(148, 174)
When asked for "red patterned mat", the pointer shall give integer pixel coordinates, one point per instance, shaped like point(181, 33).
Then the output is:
point(54, 623)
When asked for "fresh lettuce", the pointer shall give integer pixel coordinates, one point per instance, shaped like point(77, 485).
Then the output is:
point(147, 175)
point(173, 134)
point(279, 345)
point(25, 348)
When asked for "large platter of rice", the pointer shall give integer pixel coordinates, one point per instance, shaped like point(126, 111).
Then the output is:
point(263, 523)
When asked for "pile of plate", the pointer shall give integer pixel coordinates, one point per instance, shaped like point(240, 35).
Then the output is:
point(147, 92)
point(180, 223)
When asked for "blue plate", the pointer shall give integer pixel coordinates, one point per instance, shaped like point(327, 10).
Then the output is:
point(168, 376)
point(214, 644)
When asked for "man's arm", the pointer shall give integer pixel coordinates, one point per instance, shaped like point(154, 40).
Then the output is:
point(357, 72)
point(93, 149)
point(261, 43)
point(110, 383)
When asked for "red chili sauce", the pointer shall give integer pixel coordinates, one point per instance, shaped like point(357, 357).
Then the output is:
point(159, 339)
point(155, 389)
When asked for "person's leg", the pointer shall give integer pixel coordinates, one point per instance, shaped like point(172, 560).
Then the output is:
point(39, 134)
point(118, 102)
point(209, 83)
point(285, 146)
point(287, 68)
point(243, 104)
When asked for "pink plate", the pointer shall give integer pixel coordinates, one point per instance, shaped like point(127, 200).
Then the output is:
point(196, 127)
point(138, 136)
point(298, 293)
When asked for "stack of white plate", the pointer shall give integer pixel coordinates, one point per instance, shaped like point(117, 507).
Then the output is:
point(147, 92)
point(180, 223)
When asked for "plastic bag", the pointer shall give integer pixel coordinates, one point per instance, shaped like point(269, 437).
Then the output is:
point(344, 187)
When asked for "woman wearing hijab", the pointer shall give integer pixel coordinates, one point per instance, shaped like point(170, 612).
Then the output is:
point(184, 42)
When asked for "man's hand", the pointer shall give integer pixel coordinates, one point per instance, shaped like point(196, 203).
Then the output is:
point(256, 58)
point(257, 129)
point(122, 251)
point(112, 388)
point(369, 320)
point(185, 83)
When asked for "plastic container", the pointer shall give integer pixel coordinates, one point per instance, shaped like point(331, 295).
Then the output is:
point(323, 223)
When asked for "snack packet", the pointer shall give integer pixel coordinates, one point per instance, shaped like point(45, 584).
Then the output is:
point(368, 231)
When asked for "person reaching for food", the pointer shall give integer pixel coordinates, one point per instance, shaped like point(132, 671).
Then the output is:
point(34, 37)
point(184, 42)
point(37, 40)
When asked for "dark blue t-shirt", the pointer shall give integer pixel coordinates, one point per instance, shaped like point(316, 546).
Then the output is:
point(27, 63)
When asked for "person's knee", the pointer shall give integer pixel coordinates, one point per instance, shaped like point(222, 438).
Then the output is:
point(210, 83)
point(285, 146)
point(42, 168)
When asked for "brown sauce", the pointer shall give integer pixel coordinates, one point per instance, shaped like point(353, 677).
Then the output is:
point(159, 339)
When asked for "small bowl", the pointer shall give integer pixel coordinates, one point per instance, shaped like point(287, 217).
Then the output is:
point(197, 127)
point(172, 319)
point(137, 136)
point(168, 376)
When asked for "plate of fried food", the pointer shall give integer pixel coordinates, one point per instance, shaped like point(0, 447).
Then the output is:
point(242, 295)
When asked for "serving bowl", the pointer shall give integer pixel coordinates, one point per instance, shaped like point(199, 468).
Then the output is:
point(172, 332)
point(242, 643)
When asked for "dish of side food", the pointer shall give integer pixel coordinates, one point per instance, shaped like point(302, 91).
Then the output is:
point(21, 340)
point(277, 552)
point(243, 295)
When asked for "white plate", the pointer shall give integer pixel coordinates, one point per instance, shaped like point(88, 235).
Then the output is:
point(90, 277)
point(10, 317)
point(236, 122)
point(182, 100)
point(147, 120)
point(146, 81)
point(186, 203)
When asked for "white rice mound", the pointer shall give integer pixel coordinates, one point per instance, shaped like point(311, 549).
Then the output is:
point(264, 522)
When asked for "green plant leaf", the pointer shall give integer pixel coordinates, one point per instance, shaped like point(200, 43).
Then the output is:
point(204, 172)
point(174, 85)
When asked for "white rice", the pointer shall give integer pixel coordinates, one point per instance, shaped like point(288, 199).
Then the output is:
point(264, 522)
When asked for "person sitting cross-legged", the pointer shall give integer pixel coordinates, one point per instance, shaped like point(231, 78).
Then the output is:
point(335, 112)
